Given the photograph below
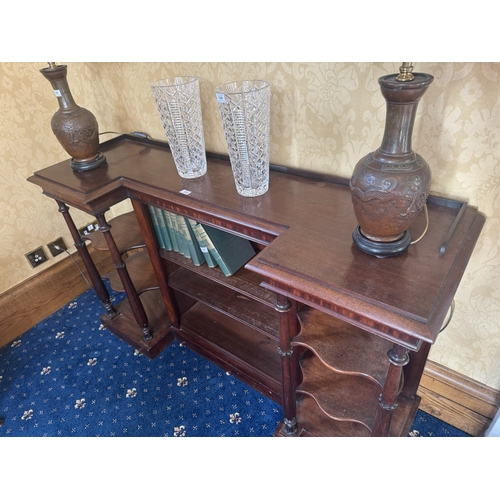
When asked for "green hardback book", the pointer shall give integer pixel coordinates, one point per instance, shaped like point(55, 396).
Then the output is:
point(212, 250)
point(167, 228)
point(154, 220)
point(232, 252)
point(173, 235)
point(194, 249)
point(183, 244)
point(202, 244)
point(175, 226)
point(163, 229)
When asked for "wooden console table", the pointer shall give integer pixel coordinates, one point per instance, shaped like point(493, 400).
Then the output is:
point(338, 337)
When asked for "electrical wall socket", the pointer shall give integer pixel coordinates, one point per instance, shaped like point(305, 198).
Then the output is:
point(37, 257)
point(89, 228)
point(56, 247)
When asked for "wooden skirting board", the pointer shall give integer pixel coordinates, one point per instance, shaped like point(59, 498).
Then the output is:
point(31, 301)
point(448, 395)
point(457, 400)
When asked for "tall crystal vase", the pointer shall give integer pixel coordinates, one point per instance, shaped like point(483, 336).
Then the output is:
point(390, 186)
point(179, 105)
point(245, 113)
point(75, 127)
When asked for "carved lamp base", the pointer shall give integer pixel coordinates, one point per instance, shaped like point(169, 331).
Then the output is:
point(390, 186)
point(75, 128)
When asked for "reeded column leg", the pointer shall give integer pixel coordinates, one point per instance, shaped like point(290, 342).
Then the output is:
point(94, 275)
point(132, 295)
point(287, 330)
point(398, 357)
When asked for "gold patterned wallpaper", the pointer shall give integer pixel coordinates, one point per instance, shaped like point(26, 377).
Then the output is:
point(325, 116)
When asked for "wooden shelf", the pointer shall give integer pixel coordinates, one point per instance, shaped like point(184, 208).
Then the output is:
point(123, 324)
point(243, 281)
point(342, 346)
point(340, 396)
point(126, 233)
point(226, 300)
point(314, 423)
point(141, 272)
point(248, 355)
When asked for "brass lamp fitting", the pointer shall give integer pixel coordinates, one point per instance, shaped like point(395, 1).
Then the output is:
point(405, 72)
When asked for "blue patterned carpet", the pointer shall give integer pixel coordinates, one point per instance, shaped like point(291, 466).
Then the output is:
point(68, 376)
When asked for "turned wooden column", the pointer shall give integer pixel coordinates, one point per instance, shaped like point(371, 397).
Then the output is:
point(398, 357)
point(94, 275)
point(121, 268)
point(288, 329)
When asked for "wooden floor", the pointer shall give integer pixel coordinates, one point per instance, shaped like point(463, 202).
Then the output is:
point(454, 398)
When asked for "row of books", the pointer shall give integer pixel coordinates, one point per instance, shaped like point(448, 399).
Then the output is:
point(199, 242)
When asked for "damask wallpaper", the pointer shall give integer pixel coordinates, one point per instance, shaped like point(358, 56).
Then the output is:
point(324, 117)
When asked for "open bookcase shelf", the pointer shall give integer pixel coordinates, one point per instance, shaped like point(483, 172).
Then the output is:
point(130, 245)
point(232, 322)
point(333, 392)
point(243, 281)
point(226, 300)
point(233, 346)
point(315, 423)
point(344, 347)
point(140, 270)
point(125, 230)
point(338, 337)
point(340, 360)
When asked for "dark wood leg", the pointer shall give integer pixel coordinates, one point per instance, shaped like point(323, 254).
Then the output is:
point(398, 357)
point(132, 295)
point(95, 278)
point(144, 220)
point(414, 369)
point(288, 329)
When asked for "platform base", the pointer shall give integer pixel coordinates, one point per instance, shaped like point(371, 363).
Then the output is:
point(83, 166)
point(378, 248)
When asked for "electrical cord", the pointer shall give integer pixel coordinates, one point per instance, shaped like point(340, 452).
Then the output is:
point(452, 310)
point(452, 306)
point(142, 135)
point(57, 247)
point(426, 225)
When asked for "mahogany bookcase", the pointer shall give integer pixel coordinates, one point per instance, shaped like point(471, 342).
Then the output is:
point(338, 337)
